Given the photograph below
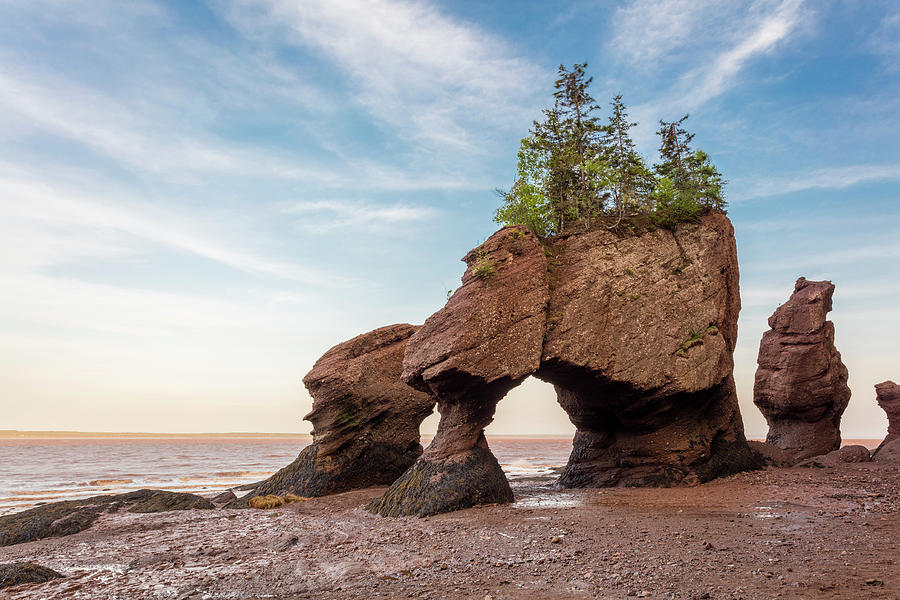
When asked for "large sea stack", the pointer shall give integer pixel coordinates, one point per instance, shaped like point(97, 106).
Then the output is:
point(801, 383)
point(636, 331)
point(365, 419)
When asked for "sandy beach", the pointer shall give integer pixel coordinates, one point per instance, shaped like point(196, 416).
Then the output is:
point(779, 533)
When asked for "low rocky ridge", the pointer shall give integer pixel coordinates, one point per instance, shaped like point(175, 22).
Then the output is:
point(635, 331)
point(801, 383)
point(65, 518)
point(837, 458)
point(365, 420)
point(888, 452)
point(888, 396)
point(18, 573)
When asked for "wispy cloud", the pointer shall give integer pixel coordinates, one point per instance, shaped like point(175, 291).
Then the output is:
point(649, 33)
point(885, 39)
point(712, 80)
point(324, 216)
point(140, 141)
point(833, 178)
point(712, 42)
point(432, 79)
point(45, 225)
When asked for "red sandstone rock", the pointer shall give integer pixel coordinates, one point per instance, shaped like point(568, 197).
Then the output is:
point(640, 335)
point(888, 395)
point(801, 383)
point(839, 457)
point(636, 332)
point(484, 342)
point(888, 452)
point(365, 419)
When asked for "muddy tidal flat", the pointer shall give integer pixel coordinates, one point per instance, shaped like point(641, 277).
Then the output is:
point(779, 533)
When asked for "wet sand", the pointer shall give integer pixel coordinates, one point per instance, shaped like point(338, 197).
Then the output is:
point(788, 533)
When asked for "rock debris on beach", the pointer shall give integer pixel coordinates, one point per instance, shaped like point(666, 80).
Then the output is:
point(780, 533)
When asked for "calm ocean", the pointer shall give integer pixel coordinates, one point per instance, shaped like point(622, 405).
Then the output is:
point(34, 471)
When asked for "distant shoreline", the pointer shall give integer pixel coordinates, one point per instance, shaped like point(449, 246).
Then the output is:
point(15, 434)
point(12, 434)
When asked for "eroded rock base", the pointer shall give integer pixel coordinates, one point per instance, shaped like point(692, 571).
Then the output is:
point(311, 476)
point(689, 439)
point(801, 438)
point(460, 481)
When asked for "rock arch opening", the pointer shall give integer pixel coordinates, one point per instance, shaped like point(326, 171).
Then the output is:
point(531, 435)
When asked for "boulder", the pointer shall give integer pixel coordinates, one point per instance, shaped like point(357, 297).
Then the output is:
point(18, 573)
point(223, 498)
point(888, 396)
point(636, 332)
point(485, 341)
point(801, 383)
point(65, 518)
point(888, 453)
point(837, 458)
point(365, 419)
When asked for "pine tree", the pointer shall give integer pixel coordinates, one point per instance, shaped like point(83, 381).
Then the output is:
point(630, 181)
point(573, 169)
point(675, 151)
point(581, 143)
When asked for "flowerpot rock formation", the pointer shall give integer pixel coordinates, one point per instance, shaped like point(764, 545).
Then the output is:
point(888, 395)
point(365, 419)
point(636, 332)
point(801, 383)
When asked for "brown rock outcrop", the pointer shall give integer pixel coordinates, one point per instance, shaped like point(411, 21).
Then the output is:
point(485, 341)
point(71, 516)
point(888, 453)
point(641, 331)
point(888, 395)
point(635, 331)
point(801, 383)
point(19, 573)
point(839, 457)
point(365, 419)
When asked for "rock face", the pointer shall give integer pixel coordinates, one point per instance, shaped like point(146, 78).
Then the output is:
point(636, 332)
point(365, 419)
point(65, 518)
point(888, 395)
point(484, 342)
point(801, 383)
point(837, 458)
point(888, 453)
point(641, 331)
point(18, 573)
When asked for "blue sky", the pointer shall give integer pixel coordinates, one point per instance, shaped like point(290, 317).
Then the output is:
point(200, 198)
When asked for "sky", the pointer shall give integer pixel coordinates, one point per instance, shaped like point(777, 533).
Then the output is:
point(199, 198)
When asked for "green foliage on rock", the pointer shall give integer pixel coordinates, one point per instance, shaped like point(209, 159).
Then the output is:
point(573, 169)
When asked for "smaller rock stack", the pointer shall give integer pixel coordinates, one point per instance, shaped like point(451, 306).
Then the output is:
point(888, 395)
point(801, 383)
point(365, 419)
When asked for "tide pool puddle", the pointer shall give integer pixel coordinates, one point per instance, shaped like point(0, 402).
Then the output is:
point(549, 500)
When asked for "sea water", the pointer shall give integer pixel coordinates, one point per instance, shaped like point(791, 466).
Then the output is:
point(35, 471)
